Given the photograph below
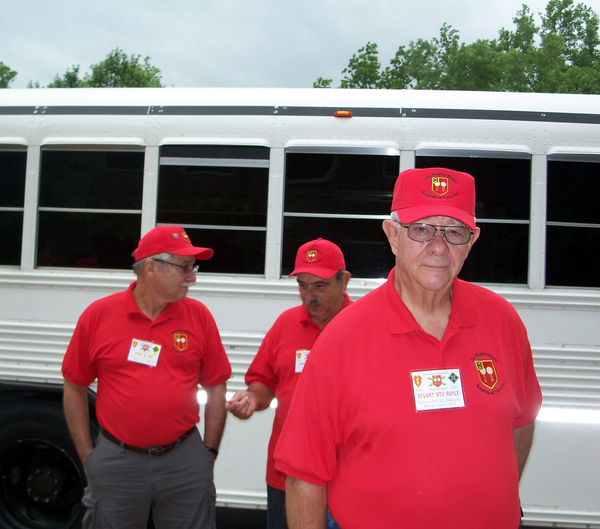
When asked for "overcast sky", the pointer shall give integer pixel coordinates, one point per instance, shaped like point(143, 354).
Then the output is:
point(229, 43)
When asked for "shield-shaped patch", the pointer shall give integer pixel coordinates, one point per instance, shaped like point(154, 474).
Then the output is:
point(181, 341)
point(487, 373)
point(439, 185)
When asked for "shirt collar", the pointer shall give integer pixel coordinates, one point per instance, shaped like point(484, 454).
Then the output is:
point(400, 319)
point(172, 310)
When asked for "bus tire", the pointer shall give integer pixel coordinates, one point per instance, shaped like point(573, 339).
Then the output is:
point(42, 477)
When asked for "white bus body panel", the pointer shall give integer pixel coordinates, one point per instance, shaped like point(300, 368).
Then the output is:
point(39, 307)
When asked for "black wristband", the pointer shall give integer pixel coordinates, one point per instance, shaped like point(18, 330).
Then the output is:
point(212, 450)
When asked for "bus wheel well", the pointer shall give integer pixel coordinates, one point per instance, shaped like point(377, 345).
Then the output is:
point(43, 477)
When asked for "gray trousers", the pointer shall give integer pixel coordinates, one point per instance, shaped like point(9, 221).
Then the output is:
point(124, 485)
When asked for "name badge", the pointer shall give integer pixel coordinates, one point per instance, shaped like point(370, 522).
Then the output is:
point(437, 389)
point(301, 357)
point(144, 352)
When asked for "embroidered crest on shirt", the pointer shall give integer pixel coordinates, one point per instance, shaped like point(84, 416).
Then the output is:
point(180, 340)
point(488, 379)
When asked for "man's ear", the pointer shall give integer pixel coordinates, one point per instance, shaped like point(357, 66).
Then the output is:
point(390, 228)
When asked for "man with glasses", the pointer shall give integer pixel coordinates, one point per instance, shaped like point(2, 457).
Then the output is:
point(417, 406)
point(320, 270)
point(149, 348)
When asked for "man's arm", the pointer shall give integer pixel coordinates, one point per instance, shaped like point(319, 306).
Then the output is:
point(522, 438)
point(243, 404)
point(306, 504)
point(214, 415)
point(75, 404)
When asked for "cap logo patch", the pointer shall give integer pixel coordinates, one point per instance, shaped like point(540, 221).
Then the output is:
point(311, 256)
point(185, 237)
point(439, 185)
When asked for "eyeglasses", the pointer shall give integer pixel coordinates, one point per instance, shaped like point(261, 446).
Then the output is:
point(187, 269)
point(421, 232)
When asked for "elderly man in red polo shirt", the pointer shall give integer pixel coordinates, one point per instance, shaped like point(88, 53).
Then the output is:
point(149, 347)
point(322, 280)
point(416, 408)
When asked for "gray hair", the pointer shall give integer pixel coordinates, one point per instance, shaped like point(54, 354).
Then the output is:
point(339, 275)
point(139, 265)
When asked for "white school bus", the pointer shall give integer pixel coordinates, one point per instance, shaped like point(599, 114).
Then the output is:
point(253, 174)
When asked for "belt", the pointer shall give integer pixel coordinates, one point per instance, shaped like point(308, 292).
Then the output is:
point(152, 450)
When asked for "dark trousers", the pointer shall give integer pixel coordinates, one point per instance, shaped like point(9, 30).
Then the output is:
point(124, 485)
point(276, 518)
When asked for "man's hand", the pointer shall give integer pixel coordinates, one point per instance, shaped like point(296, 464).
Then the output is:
point(243, 404)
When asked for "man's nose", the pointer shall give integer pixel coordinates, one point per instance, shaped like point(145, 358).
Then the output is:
point(439, 240)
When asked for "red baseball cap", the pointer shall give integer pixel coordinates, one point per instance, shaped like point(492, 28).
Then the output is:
point(421, 193)
point(170, 239)
point(321, 258)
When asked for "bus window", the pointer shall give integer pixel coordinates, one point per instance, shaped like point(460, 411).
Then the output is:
point(573, 222)
point(341, 195)
point(90, 208)
point(219, 195)
point(12, 182)
point(503, 187)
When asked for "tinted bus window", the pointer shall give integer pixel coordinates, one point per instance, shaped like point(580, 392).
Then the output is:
point(90, 208)
point(12, 196)
point(573, 224)
point(341, 196)
point(219, 194)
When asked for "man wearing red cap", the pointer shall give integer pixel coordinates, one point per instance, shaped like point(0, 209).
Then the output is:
point(149, 347)
point(322, 280)
point(417, 407)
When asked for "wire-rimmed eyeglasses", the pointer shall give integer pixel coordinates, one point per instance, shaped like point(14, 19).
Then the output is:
point(187, 269)
point(422, 232)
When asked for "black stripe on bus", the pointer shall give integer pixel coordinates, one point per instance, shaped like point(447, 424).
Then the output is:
point(271, 111)
point(416, 113)
point(197, 111)
point(75, 111)
point(499, 115)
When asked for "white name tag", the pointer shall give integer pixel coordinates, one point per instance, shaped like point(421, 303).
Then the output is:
point(301, 357)
point(144, 352)
point(437, 389)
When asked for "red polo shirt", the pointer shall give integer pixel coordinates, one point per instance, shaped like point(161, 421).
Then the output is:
point(143, 405)
point(354, 427)
point(275, 367)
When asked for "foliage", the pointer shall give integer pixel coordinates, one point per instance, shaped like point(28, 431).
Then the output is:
point(560, 55)
point(6, 75)
point(69, 80)
point(117, 70)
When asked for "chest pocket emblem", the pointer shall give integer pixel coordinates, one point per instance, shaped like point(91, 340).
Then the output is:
point(487, 373)
point(181, 341)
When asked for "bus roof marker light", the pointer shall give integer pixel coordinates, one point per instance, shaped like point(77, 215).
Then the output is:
point(342, 114)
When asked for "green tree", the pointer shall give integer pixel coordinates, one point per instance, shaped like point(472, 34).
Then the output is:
point(363, 69)
point(560, 55)
point(117, 70)
point(322, 83)
point(69, 80)
point(7, 75)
